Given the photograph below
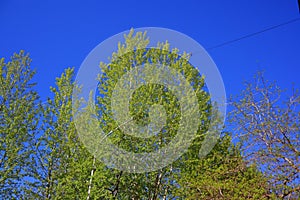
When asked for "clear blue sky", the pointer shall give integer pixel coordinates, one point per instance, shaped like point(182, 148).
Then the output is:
point(59, 34)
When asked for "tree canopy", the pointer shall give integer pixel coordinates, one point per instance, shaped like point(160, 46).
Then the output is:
point(42, 155)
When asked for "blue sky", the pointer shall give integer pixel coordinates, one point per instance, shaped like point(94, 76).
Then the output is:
point(59, 34)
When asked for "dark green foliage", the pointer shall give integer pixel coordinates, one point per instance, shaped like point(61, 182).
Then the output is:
point(223, 174)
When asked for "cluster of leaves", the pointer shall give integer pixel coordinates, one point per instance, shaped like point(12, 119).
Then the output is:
point(18, 125)
point(42, 157)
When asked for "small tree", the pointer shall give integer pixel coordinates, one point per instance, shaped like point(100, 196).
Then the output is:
point(63, 162)
point(269, 131)
point(18, 125)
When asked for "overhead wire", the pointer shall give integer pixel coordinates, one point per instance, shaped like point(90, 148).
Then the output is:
point(254, 34)
point(247, 36)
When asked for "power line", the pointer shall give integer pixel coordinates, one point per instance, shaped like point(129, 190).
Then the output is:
point(254, 34)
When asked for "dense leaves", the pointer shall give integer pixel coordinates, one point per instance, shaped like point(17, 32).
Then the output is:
point(18, 125)
point(43, 157)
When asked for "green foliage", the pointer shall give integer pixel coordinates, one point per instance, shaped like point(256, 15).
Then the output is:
point(171, 181)
point(134, 53)
point(41, 140)
point(223, 174)
point(18, 123)
point(60, 156)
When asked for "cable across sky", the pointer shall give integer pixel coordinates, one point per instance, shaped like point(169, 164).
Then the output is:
point(254, 34)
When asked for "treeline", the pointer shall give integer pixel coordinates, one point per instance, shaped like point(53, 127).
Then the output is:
point(42, 156)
